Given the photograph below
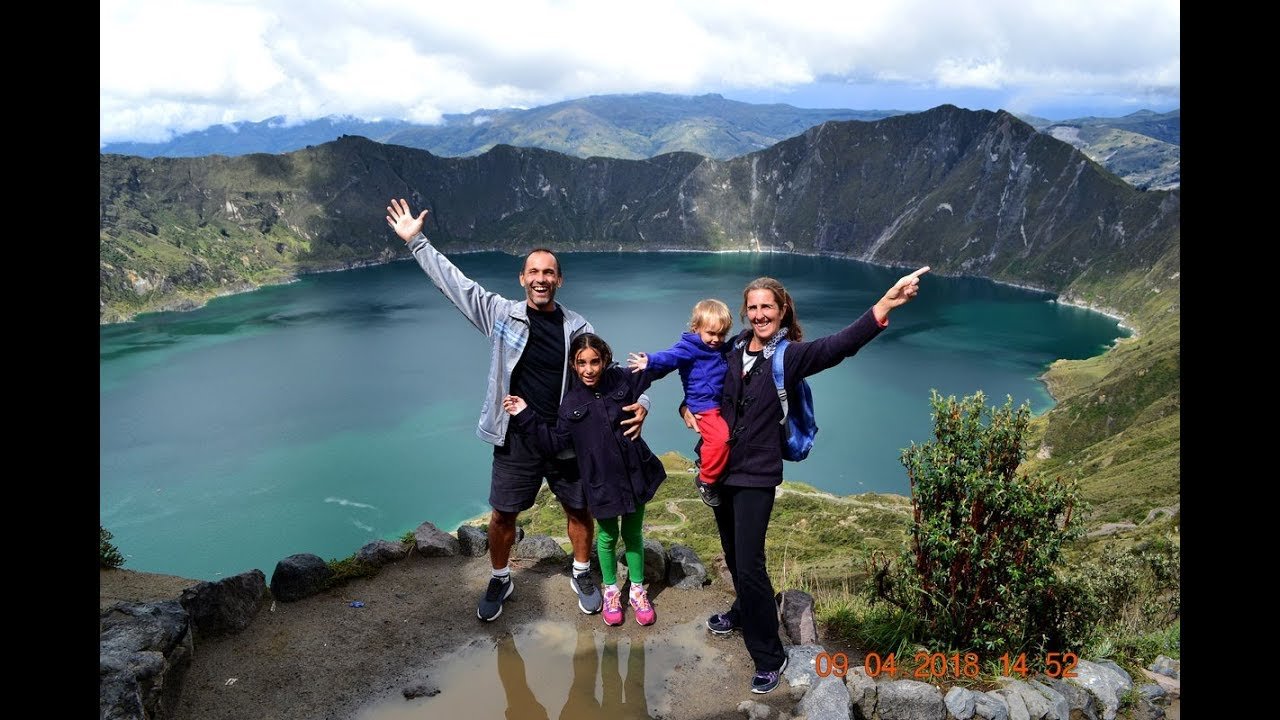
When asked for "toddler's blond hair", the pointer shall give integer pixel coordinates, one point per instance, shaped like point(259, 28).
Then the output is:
point(711, 315)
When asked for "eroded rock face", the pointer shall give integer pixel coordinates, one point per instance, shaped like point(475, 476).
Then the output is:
point(144, 651)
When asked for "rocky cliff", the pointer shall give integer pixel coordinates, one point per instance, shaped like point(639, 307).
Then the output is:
point(975, 193)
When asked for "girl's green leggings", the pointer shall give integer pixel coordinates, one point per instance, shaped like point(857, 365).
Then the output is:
point(607, 540)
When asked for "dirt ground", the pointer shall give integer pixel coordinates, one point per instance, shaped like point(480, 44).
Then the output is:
point(322, 658)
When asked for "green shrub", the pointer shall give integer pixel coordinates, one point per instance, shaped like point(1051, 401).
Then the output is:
point(108, 555)
point(980, 570)
point(347, 569)
point(1138, 600)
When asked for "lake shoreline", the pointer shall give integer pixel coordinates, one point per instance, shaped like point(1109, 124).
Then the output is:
point(186, 304)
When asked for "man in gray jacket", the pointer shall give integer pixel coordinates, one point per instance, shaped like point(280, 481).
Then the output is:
point(530, 340)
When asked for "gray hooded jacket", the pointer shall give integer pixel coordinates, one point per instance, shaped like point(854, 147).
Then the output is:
point(505, 322)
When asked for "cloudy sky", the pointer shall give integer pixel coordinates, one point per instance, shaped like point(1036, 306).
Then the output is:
point(171, 66)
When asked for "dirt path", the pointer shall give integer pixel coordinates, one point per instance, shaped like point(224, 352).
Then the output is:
point(322, 658)
point(673, 507)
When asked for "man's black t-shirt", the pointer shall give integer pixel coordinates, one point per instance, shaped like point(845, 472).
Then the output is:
point(537, 375)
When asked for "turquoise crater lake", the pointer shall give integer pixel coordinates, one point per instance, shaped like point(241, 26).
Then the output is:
point(315, 416)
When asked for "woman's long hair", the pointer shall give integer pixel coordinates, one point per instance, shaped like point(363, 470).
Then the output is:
point(785, 305)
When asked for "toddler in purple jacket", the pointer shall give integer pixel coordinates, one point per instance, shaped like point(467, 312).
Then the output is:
point(699, 356)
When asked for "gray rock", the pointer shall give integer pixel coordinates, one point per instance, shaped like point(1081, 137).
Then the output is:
point(960, 702)
point(685, 569)
point(864, 692)
point(1082, 703)
point(474, 541)
point(298, 576)
point(130, 627)
point(1013, 702)
point(1036, 704)
point(910, 700)
point(655, 561)
point(226, 606)
point(1166, 666)
point(1117, 670)
point(1152, 692)
point(990, 707)
point(377, 553)
point(1058, 706)
point(798, 616)
point(801, 673)
point(828, 699)
point(544, 551)
point(1106, 685)
point(434, 542)
point(144, 651)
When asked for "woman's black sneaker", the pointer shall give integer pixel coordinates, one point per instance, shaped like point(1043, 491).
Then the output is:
point(763, 682)
point(721, 624)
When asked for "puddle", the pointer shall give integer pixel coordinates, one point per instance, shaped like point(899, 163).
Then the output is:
point(551, 670)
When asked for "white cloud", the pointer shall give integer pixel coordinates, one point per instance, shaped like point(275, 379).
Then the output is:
point(177, 65)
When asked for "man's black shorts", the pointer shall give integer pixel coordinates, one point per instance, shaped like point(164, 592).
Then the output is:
point(518, 470)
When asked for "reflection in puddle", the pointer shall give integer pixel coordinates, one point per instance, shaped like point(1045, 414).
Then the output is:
point(551, 670)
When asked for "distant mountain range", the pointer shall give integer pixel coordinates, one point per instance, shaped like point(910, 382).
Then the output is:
point(629, 127)
point(1142, 148)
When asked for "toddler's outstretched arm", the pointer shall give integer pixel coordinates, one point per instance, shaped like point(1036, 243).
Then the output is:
point(637, 361)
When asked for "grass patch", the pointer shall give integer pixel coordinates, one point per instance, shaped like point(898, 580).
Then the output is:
point(348, 569)
point(813, 534)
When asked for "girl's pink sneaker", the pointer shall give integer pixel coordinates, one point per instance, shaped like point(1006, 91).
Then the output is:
point(612, 606)
point(640, 603)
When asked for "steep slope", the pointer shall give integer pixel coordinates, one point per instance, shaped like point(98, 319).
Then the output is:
point(974, 193)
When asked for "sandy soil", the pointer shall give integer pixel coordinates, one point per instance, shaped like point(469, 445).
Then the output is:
point(322, 658)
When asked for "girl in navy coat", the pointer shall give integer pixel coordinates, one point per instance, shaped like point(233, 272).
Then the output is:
point(619, 474)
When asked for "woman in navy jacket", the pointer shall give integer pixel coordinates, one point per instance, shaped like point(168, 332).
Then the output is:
point(753, 412)
point(619, 474)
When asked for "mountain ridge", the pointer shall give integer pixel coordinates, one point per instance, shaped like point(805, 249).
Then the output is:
point(970, 192)
point(1141, 147)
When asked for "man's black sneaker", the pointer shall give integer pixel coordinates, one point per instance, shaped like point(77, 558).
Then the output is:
point(709, 493)
point(763, 682)
point(589, 598)
point(490, 606)
point(721, 624)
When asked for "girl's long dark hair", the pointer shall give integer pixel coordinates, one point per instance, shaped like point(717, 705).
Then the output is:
point(593, 341)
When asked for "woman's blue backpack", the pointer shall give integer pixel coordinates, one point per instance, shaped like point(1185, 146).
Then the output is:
point(800, 422)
